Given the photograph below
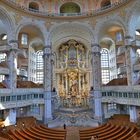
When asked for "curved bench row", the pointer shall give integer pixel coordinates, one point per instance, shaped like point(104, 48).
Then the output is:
point(109, 131)
point(38, 132)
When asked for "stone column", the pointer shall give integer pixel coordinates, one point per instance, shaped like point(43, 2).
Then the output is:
point(47, 84)
point(130, 60)
point(11, 80)
point(133, 113)
point(96, 71)
point(10, 117)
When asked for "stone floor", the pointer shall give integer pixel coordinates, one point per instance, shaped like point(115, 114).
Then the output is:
point(72, 133)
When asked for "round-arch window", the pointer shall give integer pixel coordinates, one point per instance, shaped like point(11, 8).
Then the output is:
point(105, 3)
point(33, 6)
point(70, 7)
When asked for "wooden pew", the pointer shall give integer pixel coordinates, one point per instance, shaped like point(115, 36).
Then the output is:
point(85, 131)
point(129, 134)
point(53, 137)
point(23, 135)
point(34, 137)
point(46, 133)
point(88, 135)
point(110, 134)
point(15, 134)
point(52, 129)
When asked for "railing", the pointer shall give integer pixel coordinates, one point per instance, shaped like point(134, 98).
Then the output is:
point(87, 13)
point(121, 95)
point(136, 67)
point(22, 72)
point(121, 70)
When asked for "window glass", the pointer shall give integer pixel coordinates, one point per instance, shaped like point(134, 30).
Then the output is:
point(24, 39)
point(105, 66)
point(118, 36)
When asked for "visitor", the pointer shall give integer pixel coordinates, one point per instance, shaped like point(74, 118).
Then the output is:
point(96, 137)
point(64, 126)
point(92, 138)
point(23, 124)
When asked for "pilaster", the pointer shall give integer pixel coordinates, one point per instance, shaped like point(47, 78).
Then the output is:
point(47, 84)
point(130, 60)
point(96, 70)
point(12, 64)
point(133, 113)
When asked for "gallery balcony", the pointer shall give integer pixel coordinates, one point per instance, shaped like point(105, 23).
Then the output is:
point(121, 50)
point(122, 70)
point(136, 67)
point(22, 72)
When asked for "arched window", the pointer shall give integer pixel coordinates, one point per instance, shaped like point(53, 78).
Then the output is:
point(33, 6)
point(105, 4)
point(70, 7)
point(105, 66)
point(39, 66)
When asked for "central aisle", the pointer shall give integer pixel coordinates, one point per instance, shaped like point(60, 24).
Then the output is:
point(72, 133)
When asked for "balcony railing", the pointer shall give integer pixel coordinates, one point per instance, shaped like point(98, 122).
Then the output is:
point(87, 13)
point(121, 70)
point(137, 67)
point(22, 72)
point(129, 95)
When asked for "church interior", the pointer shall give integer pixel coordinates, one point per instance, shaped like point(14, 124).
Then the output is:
point(69, 69)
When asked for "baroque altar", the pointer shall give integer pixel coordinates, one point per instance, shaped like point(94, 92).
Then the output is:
point(72, 75)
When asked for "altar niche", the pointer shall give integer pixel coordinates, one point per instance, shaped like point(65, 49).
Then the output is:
point(72, 75)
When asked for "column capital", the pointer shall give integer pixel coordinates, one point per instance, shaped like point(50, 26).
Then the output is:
point(95, 48)
point(128, 40)
point(47, 50)
point(13, 44)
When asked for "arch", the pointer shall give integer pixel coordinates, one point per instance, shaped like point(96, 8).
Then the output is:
point(70, 7)
point(106, 23)
point(67, 38)
point(80, 30)
point(133, 19)
point(8, 22)
point(41, 29)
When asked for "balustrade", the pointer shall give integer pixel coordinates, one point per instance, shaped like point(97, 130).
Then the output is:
point(92, 13)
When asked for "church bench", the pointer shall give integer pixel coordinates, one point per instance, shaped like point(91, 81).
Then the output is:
point(12, 137)
point(52, 129)
point(129, 134)
point(103, 134)
point(98, 132)
point(94, 129)
point(134, 136)
point(122, 133)
point(53, 137)
point(110, 134)
point(23, 135)
point(34, 137)
point(15, 134)
point(45, 133)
